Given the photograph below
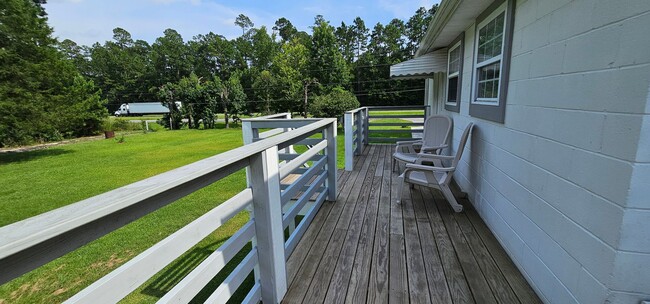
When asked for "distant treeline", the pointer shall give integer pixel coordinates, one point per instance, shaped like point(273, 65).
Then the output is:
point(264, 70)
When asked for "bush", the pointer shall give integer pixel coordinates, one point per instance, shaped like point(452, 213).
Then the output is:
point(333, 104)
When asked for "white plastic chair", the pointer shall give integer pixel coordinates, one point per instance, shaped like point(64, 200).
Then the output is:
point(437, 176)
point(434, 139)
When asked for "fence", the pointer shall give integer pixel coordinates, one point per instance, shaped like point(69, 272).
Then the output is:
point(360, 129)
point(280, 188)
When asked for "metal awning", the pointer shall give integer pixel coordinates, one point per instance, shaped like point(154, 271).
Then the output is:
point(421, 67)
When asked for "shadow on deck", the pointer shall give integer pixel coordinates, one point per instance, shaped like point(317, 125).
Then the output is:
point(366, 248)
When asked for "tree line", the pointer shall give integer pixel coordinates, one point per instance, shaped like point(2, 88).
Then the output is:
point(262, 71)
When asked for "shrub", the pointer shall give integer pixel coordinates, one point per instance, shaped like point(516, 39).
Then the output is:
point(333, 104)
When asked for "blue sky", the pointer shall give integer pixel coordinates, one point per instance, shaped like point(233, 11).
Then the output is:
point(89, 21)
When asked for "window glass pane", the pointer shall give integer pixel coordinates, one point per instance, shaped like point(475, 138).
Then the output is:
point(490, 39)
point(452, 89)
point(454, 60)
point(488, 80)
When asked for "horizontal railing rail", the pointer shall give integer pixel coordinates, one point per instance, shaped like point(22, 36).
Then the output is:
point(28, 244)
point(363, 126)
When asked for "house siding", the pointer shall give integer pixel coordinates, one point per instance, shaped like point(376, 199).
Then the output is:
point(564, 183)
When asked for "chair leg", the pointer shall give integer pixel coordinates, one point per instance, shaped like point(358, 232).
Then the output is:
point(450, 198)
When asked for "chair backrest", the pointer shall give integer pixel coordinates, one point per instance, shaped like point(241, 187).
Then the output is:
point(461, 148)
point(436, 130)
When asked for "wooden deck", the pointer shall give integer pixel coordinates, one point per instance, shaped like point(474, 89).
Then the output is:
point(366, 248)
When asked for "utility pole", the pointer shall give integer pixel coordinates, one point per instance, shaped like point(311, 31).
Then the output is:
point(306, 83)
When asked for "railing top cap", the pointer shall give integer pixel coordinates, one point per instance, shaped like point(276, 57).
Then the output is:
point(285, 114)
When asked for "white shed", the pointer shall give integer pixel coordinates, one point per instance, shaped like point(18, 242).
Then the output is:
point(559, 162)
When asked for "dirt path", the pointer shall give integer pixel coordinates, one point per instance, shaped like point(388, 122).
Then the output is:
point(50, 144)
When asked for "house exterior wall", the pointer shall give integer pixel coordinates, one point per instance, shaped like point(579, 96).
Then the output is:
point(564, 183)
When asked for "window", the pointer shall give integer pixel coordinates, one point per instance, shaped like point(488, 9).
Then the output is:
point(454, 72)
point(492, 61)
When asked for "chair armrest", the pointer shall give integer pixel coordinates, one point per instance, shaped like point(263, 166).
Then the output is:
point(433, 148)
point(429, 168)
point(429, 156)
point(409, 142)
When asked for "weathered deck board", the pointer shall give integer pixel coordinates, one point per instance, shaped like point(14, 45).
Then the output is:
point(378, 281)
point(358, 284)
point(438, 288)
point(417, 279)
point(340, 279)
point(366, 248)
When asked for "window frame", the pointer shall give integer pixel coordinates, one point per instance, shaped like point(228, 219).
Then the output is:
point(493, 108)
point(459, 43)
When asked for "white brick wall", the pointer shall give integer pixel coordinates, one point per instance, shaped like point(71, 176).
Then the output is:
point(565, 183)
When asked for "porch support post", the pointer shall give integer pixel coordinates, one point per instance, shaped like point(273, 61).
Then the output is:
point(267, 206)
point(366, 124)
point(330, 136)
point(360, 132)
point(349, 143)
point(429, 96)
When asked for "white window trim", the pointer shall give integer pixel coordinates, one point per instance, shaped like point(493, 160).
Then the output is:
point(477, 65)
point(454, 47)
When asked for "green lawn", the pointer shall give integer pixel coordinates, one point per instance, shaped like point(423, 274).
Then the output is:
point(403, 112)
point(406, 134)
point(39, 181)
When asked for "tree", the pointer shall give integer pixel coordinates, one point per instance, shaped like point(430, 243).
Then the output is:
point(170, 57)
point(265, 89)
point(290, 66)
point(360, 33)
point(167, 94)
point(36, 79)
point(213, 55)
point(327, 62)
point(75, 54)
point(285, 29)
point(345, 40)
point(190, 92)
point(232, 98)
point(417, 26)
point(334, 104)
point(121, 68)
point(244, 22)
point(264, 49)
point(84, 110)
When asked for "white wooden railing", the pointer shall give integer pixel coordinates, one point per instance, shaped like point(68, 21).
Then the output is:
point(358, 132)
point(273, 201)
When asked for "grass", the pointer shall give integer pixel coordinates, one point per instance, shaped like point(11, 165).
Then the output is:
point(406, 134)
point(403, 112)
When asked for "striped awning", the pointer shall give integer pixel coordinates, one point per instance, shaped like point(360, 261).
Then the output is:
point(421, 67)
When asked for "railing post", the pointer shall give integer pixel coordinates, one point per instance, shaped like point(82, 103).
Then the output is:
point(330, 136)
point(288, 149)
point(366, 125)
point(349, 153)
point(359, 132)
point(265, 184)
point(249, 135)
